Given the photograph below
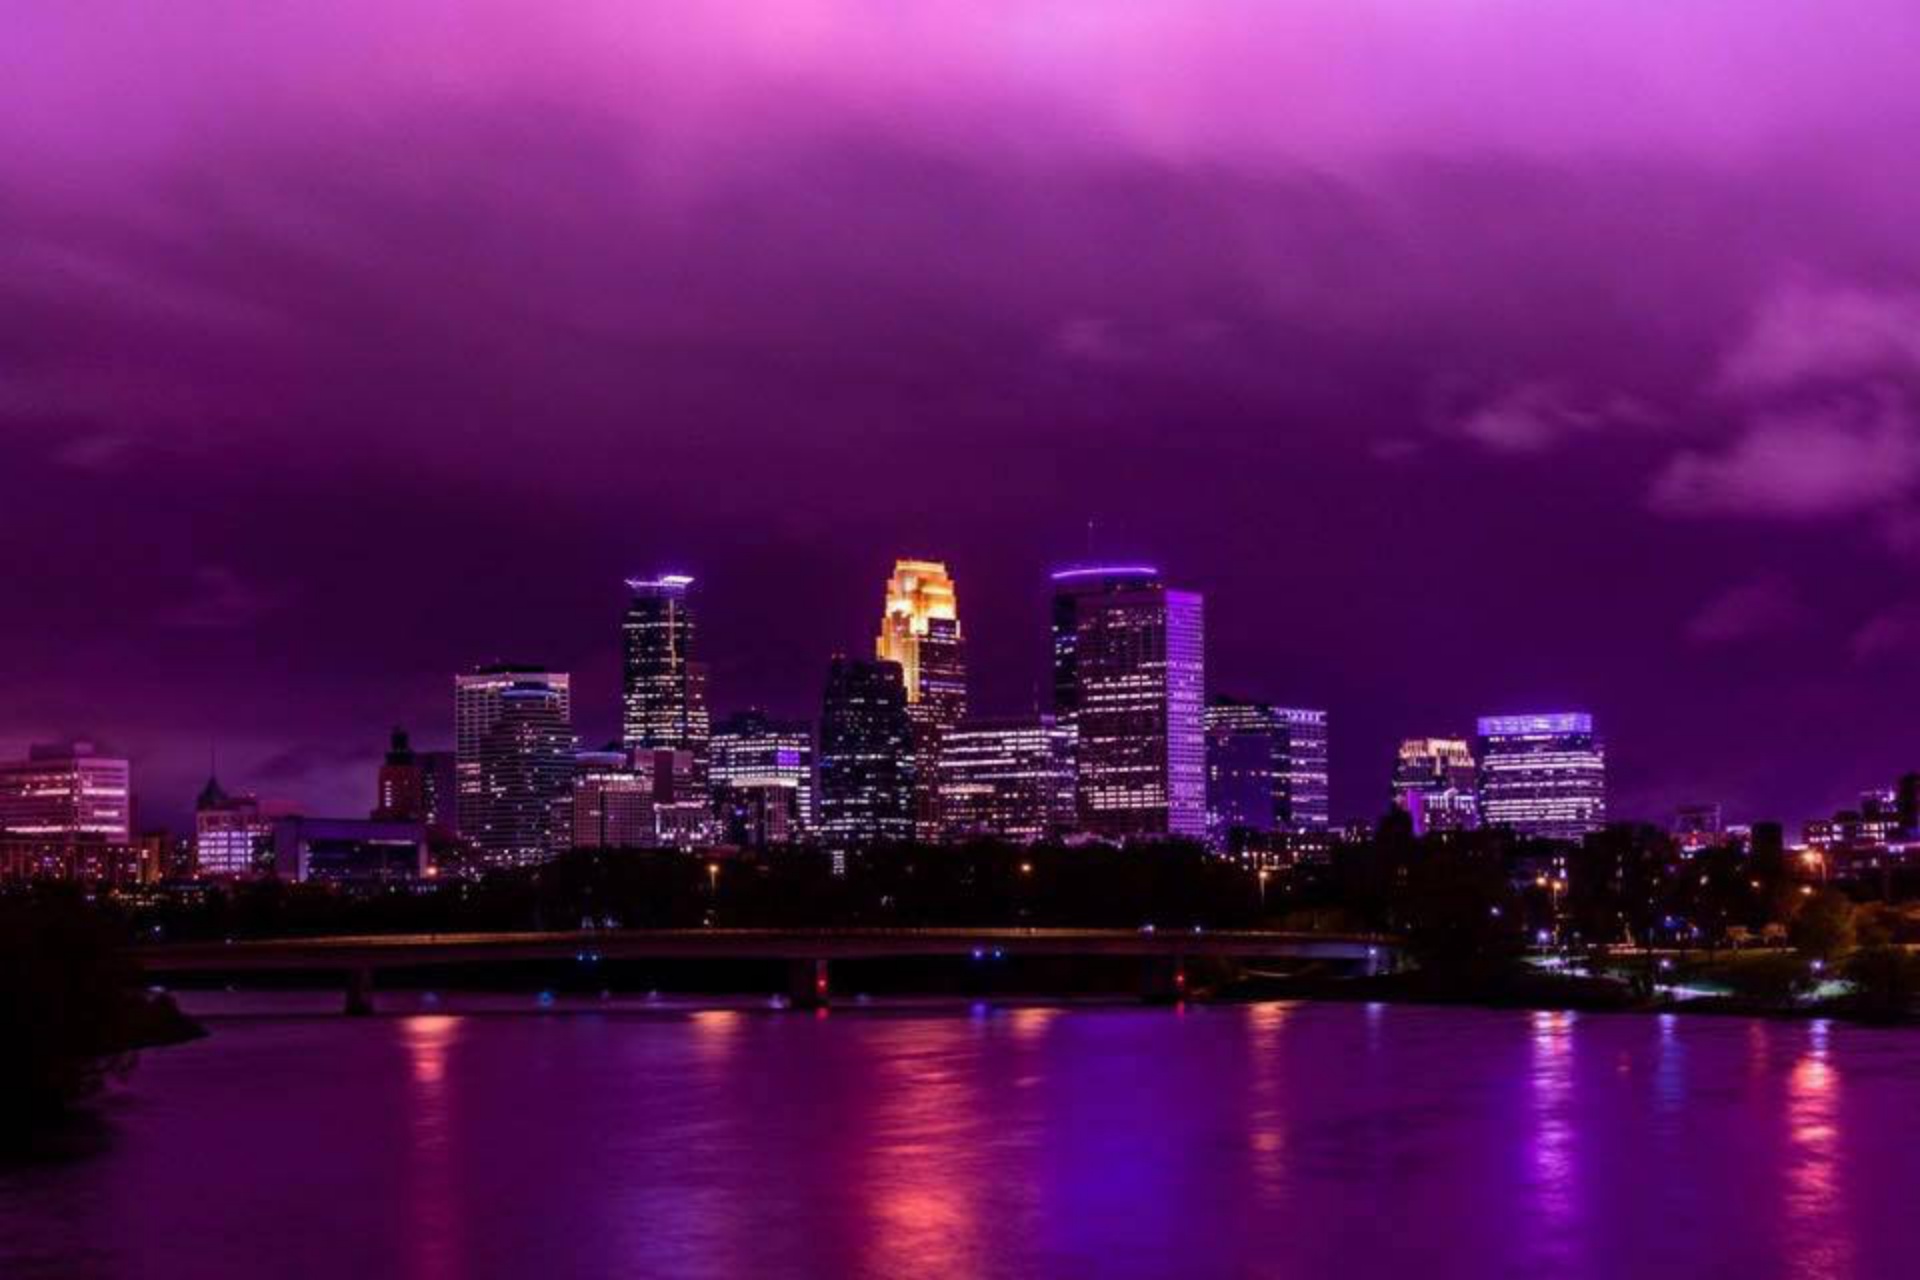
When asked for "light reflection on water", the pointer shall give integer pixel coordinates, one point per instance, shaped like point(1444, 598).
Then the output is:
point(1269, 1140)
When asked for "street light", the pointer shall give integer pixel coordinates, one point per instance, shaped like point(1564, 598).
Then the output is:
point(713, 879)
point(1261, 875)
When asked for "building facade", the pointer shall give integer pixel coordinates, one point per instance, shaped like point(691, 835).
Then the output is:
point(755, 756)
point(1543, 775)
point(867, 767)
point(664, 685)
point(1436, 782)
point(67, 790)
point(347, 850)
point(513, 747)
point(231, 833)
point(611, 805)
point(920, 631)
point(1009, 779)
point(1305, 773)
point(1130, 676)
point(1246, 759)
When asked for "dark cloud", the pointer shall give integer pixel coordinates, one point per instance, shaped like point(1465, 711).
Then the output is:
point(332, 364)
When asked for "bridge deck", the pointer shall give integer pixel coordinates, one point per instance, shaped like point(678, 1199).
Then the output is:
point(397, 950)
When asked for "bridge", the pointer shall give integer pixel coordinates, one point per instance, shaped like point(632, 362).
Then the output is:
point(808, 954)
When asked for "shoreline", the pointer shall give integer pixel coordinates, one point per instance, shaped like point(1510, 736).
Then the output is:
point(1527, 994)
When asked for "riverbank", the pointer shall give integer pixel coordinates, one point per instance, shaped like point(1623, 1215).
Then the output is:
point(1544, 989)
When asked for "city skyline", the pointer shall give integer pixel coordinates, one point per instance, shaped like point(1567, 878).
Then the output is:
point(1374, 785)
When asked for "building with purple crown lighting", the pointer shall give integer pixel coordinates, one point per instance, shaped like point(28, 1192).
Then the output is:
point(1543, 775)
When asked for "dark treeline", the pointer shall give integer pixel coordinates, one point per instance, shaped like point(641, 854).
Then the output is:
point(72, 1006)
point(1463, 898)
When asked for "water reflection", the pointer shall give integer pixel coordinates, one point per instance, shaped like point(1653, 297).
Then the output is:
point(1818, 1245)
point(432, 1193)
point(923, 1178)
point(1274, 1140)
point(1268, 1103)
point(1553, 1146)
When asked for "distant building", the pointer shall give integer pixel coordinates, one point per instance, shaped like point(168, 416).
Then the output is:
point(231, 834)
point(683, 814)
point(751, 756)
point(758, 815)
point(67, 789)
point(513, 741)
point(664, 686)
point(1246, 755)
point(1698, 826)
point(440, 791)
point(400, 790)
point(1436, 781)
point(347, 850)
point(611, 805)
point(1012, 779)
point(866, 755)
point(1129, 676)
point(1543, 775)
point(1294, 772)
point(1304, 775)
point(920, 630)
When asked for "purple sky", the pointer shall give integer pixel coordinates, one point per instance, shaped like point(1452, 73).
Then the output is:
point(1470, 356)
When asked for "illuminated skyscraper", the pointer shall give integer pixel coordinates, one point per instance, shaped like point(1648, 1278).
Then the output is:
point(1436, 782)
point(664, 694)
point(1012, 779)
point(1130, 675)
point(920, 630)
point(866, 755)
point(66, 790)
point(1306, 797)
point(513, 748)
point(753, 759)
point(1543, 775)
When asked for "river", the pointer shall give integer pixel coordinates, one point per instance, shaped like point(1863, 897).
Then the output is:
point(1287, 1140)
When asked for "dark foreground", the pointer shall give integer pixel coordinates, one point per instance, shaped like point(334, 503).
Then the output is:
point(946, 1140)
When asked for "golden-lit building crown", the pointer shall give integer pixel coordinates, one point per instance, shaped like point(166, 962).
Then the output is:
point(919, 594)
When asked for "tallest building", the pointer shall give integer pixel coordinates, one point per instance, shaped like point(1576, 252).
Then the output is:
point(920, 631)
point(663, 704)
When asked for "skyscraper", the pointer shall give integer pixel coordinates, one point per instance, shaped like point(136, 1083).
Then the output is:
point(1307, 799)
point(920, 630)
point(866, 755)
point(1010, 778)
point(1130, 674)
point(513, 747)
point(67, 790)
point(1543, 775)
point(1246, 755)
point(664, 692)
point(1436, 782)
point(751, 754)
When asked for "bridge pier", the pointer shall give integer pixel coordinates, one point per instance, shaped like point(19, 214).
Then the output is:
point(808, 984)
point(1163, 979)
point(359, 992)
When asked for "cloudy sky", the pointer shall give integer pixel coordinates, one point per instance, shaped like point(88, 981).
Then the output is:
point(1471, 355)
